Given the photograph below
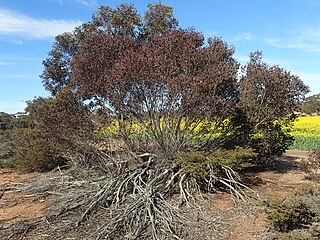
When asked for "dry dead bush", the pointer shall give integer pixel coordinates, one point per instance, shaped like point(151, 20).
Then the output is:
point(125, 196)
point(312, 165)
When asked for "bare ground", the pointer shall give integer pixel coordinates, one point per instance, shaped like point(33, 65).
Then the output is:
point(223, 216)
point(14, 203)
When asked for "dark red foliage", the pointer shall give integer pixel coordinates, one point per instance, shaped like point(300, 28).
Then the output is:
point(173, 77)
point(269, 93)
point(66, 118)
point(123, 21)
point(174, 72)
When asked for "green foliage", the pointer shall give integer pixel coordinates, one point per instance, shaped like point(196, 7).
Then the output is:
point(158, 19)
point(296, 215)
point(271, 139)
point(290, 214)
point(293, 235)
point(198, 164)
point(58, 126)
point(6, 121)
point(6, 145)
point(8, 124)
point(8, 163)
point(122, 21)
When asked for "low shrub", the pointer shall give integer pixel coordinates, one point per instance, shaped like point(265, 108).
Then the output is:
point(294, 235)
point(314, 156)
point(290, 214)
point(8, 163)
point(200, 165)
point(312, 165)
point(298, 216)
point(271, 139)
point(35, 153)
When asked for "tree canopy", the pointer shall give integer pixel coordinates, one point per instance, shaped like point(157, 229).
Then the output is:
point(123, 21)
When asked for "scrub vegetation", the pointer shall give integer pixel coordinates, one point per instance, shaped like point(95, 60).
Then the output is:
point(145, 116)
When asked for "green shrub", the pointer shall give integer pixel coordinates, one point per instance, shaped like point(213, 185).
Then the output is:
point(198, 164)
point(8, 163)
point(7, 149)
point(294, 235)
point(290, 214)
point(298, 216)
point(271, 139)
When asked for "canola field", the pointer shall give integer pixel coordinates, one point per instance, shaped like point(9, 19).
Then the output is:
point(306, 131)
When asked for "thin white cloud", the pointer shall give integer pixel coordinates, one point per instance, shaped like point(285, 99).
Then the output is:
point(297, 44)
point(305, 38)
point(19, 77)
point(12, 107)
point(273, 41)
point(18, 58)
point(86, 2)
point(17, 24)
point(11, 39)
point(60, 2)
point(246, 36)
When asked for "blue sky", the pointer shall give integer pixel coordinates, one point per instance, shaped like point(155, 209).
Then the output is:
point(287, 31)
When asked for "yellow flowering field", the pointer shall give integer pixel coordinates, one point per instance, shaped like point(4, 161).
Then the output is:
point(306, 131)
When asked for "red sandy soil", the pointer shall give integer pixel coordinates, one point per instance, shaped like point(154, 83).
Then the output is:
point(279, 183)
point(15, 205)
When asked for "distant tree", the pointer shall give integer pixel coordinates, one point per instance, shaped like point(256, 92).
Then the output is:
point(311, 105)
point(269, 95)
point(6, 121)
